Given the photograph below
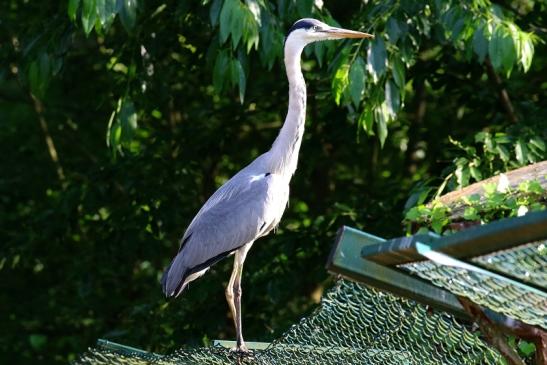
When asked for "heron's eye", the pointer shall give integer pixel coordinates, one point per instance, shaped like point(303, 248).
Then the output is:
point(315, 28)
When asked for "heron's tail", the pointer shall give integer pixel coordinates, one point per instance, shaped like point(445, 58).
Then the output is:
point(173, 279)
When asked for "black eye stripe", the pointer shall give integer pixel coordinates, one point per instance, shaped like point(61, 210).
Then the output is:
point(302, 24)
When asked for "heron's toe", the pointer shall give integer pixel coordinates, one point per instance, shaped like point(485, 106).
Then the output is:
point(241, 350)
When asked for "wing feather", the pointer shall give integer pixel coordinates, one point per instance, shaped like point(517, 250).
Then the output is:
point(236, 214)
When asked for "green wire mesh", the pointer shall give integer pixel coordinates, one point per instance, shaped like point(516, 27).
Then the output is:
point(527, 263)
point(354, 325)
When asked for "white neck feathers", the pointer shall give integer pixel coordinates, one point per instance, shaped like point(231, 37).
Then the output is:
point(284, 151)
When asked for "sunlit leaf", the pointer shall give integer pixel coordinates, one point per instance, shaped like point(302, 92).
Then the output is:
point(521, 151)
point(242, 80)
point(527, 51)
point(393, 98)
point(462, 176)
point(538, 143)
point(250, 30)
point(89, 15)
point(366, 120)
point(377, 58)
point(471, 214)
point(72, 9)
point(340, 82)
point(503, 153)
point(106, 10)
point(381, 116)
point(527, 348)
point(475, 173)
point(357, 81)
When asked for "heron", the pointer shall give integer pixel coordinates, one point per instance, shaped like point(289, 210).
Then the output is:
point(250, 204)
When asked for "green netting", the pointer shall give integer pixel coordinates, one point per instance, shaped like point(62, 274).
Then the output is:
point(353, 325)
point(527, 263)
point(503, 296)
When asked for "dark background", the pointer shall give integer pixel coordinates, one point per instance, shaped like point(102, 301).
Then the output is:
point(87, 228)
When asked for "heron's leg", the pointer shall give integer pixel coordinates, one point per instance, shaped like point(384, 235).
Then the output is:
point(233, 294)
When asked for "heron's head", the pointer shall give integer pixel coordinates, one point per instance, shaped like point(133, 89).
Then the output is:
point(308, 30)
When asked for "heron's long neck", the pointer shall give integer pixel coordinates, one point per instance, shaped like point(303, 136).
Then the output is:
point(285, 148)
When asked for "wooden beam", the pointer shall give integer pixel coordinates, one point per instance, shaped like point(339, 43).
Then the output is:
point(471, 242)
point(537, 171)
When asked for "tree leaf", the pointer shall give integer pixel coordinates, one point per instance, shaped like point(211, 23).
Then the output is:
point(502, 49)
point(475, 173)
point(377, 58)
point(366, 120)
point(340, 82)
point(38, 341)
point(237, 23)
point(39, 75)
point(495, 48)
point(214, 11)
point(398, 71)
point(521, 151)
point(509, 52)
point(527, 348)
point(89, 14)
point(462, 176)
point(538, 143)
point(393, 30)
point(106, 11)
point(526, 51)
point(128, 14)
point(471, 214)
point(250, 29)
point(381, 116)
point(242, 80)
point(72, 9)
point(219, 70)
point(480, 43)
point(393, 98)
point(503, 153)
point(357, 81)
point(226, 20)
point(128, 121)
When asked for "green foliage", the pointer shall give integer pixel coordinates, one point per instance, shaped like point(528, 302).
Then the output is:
point(498, 202)
point(186, 93)
point(492, 153)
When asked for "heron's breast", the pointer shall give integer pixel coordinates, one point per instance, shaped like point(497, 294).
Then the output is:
point(279, 195)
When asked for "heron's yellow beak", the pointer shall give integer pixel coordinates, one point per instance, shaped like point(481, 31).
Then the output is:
point(345, 33)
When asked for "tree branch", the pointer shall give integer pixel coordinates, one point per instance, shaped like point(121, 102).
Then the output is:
point(492, 333)
point(537, 172)
point(504, 96)
point(39, 109)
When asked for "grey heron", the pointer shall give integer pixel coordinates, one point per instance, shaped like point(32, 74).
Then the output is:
point(251, 203)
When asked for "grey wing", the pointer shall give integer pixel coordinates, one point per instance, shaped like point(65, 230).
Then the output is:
point(238, 213)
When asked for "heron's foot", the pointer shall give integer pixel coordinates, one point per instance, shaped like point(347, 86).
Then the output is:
point(241, 350)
